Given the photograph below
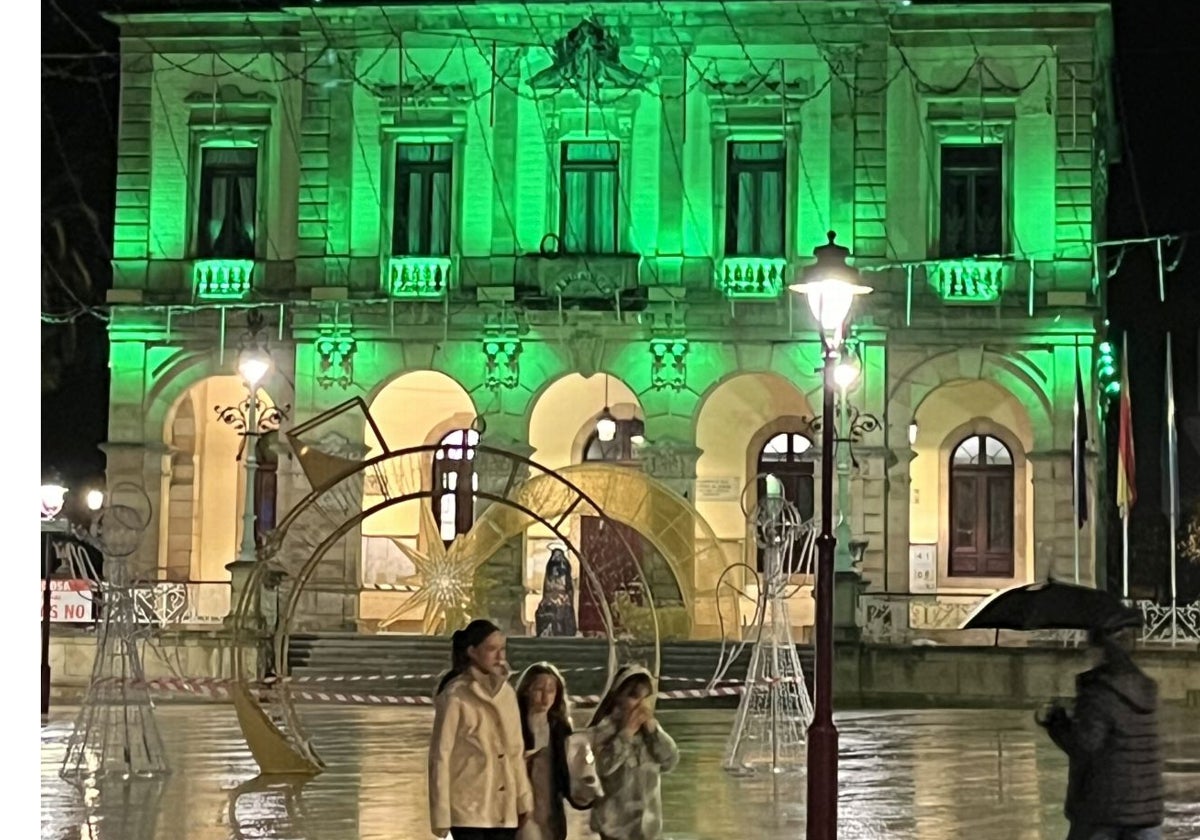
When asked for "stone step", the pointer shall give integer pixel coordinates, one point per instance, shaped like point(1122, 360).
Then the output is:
point(346, 654)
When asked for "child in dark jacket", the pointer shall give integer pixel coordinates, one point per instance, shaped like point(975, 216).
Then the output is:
point(546, 726)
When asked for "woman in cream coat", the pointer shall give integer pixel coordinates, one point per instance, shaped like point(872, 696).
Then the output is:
point(478, 786)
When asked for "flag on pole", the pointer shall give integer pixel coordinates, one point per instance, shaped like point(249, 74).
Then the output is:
point(1126, 469)
point(1079, 449)
point(1170, 445)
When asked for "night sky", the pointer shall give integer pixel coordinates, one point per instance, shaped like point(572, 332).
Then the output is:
point(1154, 190)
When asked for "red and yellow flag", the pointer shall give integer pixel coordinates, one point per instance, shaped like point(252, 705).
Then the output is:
point(1126, 484)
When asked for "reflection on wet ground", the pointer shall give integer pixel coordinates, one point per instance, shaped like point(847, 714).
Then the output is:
point(933, 775)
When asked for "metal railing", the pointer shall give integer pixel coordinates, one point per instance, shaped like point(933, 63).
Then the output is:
point(905, 619)
point(181, 603)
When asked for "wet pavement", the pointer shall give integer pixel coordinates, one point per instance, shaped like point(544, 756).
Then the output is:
point(932, 775)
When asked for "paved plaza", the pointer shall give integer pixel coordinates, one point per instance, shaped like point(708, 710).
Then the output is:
point(932, 775)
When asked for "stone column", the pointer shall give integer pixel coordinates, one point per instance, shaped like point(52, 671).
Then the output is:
point(140, 465)
point(1054, 520)
point(672, 461)
point(899, 495)
point(500, 582)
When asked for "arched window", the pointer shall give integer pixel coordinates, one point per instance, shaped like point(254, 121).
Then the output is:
point(981, 508)
point(454, 483)
point(786, 457)
point(623, 448)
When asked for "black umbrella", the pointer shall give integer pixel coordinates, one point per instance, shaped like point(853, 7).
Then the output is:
point(1051, 605)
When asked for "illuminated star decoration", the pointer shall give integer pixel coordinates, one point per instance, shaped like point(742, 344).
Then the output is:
point(444, 578)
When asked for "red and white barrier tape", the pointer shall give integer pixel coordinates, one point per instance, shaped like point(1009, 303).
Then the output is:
point(219, 689)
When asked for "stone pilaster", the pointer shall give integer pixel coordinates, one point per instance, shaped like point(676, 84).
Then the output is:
point(500, 582)
point(1054, 524)
point(899, 495)
point(140, 466)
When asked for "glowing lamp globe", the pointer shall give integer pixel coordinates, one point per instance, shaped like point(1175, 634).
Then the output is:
point(606, 426)
point(53, 497)
point(253, 365)
point(831, 286)
point(95, 499)
point(845, 374)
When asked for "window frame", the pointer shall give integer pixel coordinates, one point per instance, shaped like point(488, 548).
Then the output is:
point(427, 170)
point(463, 467)
point(588, 166)
point(798, 465)
point(972, 207)
point(735, 167)
point(203, 196)
point(995, 130)
point(983, 475)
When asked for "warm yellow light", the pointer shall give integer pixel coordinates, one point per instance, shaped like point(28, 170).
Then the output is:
point(845, 374)
point(253, 365)
point(830, 301)
point(53, 496)
point(95, 499)
point(606, 426)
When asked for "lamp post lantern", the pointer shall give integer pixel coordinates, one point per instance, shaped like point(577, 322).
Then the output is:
point(830, 285)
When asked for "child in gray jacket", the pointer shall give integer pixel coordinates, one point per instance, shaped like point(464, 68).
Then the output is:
point(632, 751)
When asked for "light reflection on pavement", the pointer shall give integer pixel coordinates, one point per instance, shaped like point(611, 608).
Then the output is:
point(932, 775)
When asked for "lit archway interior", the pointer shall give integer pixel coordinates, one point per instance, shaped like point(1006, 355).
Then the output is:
point(563, 432)
point(201, 522)
point(973, 418)
point(414, 409)
point(737, 420)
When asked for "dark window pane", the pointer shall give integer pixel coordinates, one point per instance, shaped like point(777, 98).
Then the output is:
point(755, 205)
point(972, 200)
point(424, 184)
point(228, 203)
point(964, 505)
point(1000, 513)
point(589, 182)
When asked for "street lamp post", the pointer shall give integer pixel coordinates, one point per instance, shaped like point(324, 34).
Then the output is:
point(53, 496)
point(830, 287)
point(254, 363)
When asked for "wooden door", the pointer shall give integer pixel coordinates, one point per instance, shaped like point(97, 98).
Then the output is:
point(614, 552)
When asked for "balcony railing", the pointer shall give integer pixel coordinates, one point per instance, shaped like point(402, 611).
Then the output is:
point(222, 279)
point(752, 277)
point(170, 603)
point(425, 278)
point(968, 281)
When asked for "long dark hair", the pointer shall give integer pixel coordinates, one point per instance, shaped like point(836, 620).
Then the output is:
point(559, 715)
point(473, 635)
point(628, 680)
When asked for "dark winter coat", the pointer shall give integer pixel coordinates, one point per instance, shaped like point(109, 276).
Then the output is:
point(1111, 742)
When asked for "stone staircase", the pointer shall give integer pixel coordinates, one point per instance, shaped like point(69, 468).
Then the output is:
point(400, 664)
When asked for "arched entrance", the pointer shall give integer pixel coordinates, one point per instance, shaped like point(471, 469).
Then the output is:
point(313, 527)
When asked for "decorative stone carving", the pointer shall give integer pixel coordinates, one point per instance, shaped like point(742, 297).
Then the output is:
point(588, 60)
point(425, 95)
point(335, 358)
point(581, 277)
point(668, 365)
point(587, 352)
point(502, 352)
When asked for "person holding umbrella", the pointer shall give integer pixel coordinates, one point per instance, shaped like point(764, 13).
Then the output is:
point(1114, 788)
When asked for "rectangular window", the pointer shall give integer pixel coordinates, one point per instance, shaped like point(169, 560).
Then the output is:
point(424, 179)
point(755, 179)
point(971, 213)
point(228, 203)
point(589, 183)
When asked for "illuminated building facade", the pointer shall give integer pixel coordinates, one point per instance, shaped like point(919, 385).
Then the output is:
point(522, 213)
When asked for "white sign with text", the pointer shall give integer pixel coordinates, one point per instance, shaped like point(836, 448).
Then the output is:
point(922, 569)
point(70, 601)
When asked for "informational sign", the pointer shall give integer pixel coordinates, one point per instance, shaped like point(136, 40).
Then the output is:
point(726, 488)
point(70, 601)
point(922, 569)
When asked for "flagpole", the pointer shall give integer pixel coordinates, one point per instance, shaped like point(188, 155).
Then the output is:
point(1075, 462)
point(1125, 553)
point(1172, 472)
